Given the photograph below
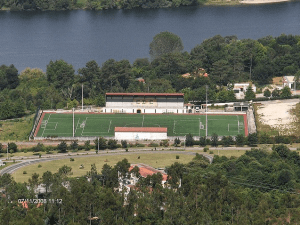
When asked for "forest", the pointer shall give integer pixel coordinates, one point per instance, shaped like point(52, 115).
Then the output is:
point(259, 187)
point(225, 59)
point(43, 5)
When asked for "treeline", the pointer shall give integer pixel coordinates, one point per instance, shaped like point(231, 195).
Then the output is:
point(225, 59)
point(260, 187)
point(93, 4)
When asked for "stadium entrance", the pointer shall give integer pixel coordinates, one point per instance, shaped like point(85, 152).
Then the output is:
point(138, 111)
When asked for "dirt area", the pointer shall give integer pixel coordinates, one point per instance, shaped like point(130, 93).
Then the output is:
point(277, 114)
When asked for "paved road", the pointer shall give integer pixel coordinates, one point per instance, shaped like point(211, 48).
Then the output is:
point(26, 162)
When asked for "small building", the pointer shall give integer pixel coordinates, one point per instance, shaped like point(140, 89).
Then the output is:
point(141, 133)
point(241, 106)
point(288, 81)
point(241, 88)
point(144, 103)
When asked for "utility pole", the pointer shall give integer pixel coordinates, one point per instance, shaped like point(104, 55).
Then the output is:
point(81, 97)
point(73, 121)
point(206, 113)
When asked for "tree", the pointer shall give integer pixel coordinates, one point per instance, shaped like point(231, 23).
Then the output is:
point(286, 92)
point(60, 74)
point(12, 147)
point(87, 145)
point(62, 147)
point(112, 144)
point(202, 141)
point(189, 140)
point(74, 145)
point(124, 143)
point(102, 143)
point(165, 42)
point(250, 95)
point(10, 77)
point(47, 179)
point(275, 93)
point(227, 141)
point(252, 139)
point(240, 140)
point(214, 140)
point(267, 93)
point(177, 142)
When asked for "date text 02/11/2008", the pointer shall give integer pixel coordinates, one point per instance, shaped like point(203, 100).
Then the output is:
point(39, 201)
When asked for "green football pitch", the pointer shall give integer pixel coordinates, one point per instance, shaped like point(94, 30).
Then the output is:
point(85, 125)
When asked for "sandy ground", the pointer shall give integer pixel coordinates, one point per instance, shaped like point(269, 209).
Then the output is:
point(262, 1)
point(277, 114)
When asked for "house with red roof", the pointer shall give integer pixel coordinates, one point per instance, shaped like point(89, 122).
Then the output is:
point(144, 171)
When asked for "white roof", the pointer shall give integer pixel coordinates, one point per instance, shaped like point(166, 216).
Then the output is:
point(290, 79)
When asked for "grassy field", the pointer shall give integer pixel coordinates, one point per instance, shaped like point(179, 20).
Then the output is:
point(103, 124)
point(154, 160)
point(16, 129)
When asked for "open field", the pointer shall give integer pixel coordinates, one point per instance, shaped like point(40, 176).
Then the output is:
point(16, 129)
point(61, 125)
point(154, 160)
point(278, 116)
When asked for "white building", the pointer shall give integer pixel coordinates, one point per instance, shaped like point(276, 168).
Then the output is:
point(241, 88)
point(144, 103)
point(288, 81)
point(141, 133)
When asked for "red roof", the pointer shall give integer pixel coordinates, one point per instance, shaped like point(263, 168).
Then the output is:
point(149, 171)
point(141, 129)
point(146, 94)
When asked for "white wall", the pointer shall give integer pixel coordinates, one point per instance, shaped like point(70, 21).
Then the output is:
point(140, 136)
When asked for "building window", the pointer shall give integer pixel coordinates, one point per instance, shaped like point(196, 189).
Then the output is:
point(151, 101)
point(137, 101)
point(144, 102)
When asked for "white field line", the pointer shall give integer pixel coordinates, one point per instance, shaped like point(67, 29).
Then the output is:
point(46, 125)
point(174, 127)
point(109, 126)
point(76, 126)
point(143, 121)
point(84, 126)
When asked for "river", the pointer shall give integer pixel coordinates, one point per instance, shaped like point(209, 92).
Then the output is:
point(32, 39)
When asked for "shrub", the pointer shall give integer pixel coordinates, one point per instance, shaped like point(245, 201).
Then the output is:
point(126, 149)
point(140, 145)
point(24, 172)
point(72, 159)
point(164, 143)
point(205, 149)
point(39, 166)
point(152, 144)
point(177, 156)
point(211, 152)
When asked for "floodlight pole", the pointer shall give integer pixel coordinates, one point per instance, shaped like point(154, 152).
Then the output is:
point(73, 121)
point(81, 97)
point(206, 113)
point(98, 145)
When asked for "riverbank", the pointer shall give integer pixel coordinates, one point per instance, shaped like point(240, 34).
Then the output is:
point(262, 1)
point(99, 7)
